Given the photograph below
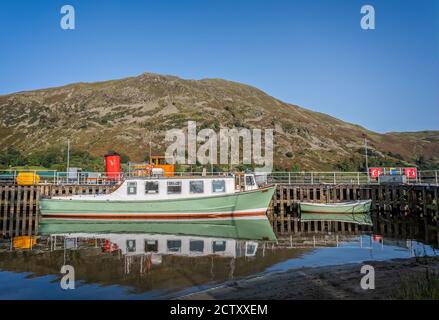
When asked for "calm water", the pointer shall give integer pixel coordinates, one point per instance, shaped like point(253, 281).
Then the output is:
point(153, 266)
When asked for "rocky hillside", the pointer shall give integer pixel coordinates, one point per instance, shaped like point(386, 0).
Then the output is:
point(123, 115)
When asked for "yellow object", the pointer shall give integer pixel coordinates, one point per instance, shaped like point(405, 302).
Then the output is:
point(24, 242)
point(160, 162)
point(27, 179)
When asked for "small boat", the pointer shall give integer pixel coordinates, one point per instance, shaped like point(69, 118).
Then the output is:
point(352, 211)
point(220, 206)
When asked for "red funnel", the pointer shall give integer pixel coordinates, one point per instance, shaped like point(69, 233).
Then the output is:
point(112, 166)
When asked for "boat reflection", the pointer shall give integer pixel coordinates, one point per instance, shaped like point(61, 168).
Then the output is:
point(111, 265)
point(155, 264)
point(154, 246)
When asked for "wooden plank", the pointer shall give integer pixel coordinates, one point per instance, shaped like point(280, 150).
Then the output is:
point(436, 197)
point(394, 198)
point(282, 210)
point(388, 201)
point(1, 206)
point(424, 202)
point(381, 198)
point(31, 210)
point(12, 211)
point(373, 197)
point(37, 213)
point(18, 211)
point(5, 210)
point(24, 212)
point(401, 199)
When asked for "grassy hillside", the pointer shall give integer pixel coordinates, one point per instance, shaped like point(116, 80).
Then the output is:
point(124, 115)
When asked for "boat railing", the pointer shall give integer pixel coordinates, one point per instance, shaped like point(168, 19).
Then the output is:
point(430, 177)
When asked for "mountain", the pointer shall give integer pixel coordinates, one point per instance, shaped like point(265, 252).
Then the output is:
point(123, 115)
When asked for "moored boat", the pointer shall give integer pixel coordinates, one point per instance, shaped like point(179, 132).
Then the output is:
point(227, 206)
point(352, 211)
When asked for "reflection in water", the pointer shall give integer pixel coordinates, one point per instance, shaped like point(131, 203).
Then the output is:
point(146, 265)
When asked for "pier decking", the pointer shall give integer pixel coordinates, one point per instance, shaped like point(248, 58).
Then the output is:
point(19, 213)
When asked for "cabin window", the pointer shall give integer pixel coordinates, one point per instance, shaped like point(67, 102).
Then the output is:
point(249, 181)
point(151, 187)
point(251, 248)
point(218, 186)
point(174, 245)
point(196, 186)
point(174, 187)
point(132, 188)
point(151, 246)
point(218, 246)
point(131, 245)
point(196, 245)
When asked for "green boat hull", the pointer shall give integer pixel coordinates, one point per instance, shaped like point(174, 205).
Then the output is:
point(228, 203)
point(352, 212)
point(239, 215)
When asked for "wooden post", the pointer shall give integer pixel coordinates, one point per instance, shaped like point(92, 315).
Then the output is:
point(373, 197)
point(342, 227)
point(37, 212)
point(282, 209)
point(401, 198)
point(31, 210)
point(24, 212)
point(289, 220)
point(18, 211)
point(11, 212)
point(436, 200)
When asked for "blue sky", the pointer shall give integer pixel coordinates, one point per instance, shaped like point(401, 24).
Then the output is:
point(310, 53)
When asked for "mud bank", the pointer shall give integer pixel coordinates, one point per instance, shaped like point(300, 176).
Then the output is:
point(393, 279)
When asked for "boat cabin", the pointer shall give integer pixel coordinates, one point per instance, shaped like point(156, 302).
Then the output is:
point(164, 188)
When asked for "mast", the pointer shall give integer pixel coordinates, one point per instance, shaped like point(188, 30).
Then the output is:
point(68, 154)
point(367, 162)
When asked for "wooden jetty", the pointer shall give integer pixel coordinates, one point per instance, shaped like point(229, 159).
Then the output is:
point(19, 214)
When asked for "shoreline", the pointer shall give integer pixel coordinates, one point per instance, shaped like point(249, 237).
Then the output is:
point(392, 279)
